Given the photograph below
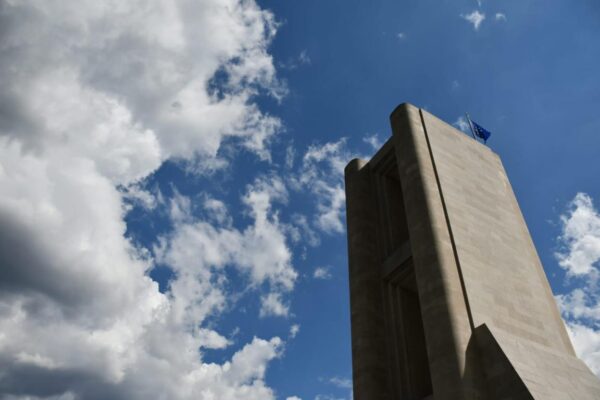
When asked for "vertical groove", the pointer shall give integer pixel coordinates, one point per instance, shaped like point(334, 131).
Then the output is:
point(454, 251)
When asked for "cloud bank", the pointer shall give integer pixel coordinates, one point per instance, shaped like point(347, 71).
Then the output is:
point(580, 256)
point(93, 99)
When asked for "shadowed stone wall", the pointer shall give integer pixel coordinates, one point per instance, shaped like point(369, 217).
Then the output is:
point(443, 271)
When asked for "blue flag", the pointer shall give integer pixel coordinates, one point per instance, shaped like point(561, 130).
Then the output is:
point(481, 132)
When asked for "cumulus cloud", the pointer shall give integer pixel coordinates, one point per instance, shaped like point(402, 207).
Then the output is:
point(586, 341)
point(217, 211)
point(322, 273)
point(500, 17)
point(93, 99)
point(475, 18)
point(373, 140)
point(300, 231)
point(138, 196)
point(322, 172)
point(579, 304)
point(272, 305)
point(154, 96)
point(210, 339)
point(580, 238)
point(579, 256)
point(198, 247)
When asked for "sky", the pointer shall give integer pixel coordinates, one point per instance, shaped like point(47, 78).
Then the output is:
point(172, 217)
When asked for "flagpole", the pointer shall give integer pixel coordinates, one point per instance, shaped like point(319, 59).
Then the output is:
point(471, 126)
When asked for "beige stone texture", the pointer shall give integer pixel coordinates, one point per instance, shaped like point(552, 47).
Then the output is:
point(448, 295)
point(368, 344)
point(443, 307)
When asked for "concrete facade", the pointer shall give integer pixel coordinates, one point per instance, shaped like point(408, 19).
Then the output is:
point(448, 297)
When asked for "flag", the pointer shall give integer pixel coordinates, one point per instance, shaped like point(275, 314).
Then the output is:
point(481, 132)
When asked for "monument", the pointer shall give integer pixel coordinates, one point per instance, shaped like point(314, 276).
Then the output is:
point(448, 297)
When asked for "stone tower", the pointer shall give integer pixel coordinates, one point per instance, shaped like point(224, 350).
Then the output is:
point(448, 297)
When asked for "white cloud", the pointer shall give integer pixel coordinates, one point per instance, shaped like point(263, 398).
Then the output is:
point(294, 330)
point(475, 18)
point(300, 230)
point(272, 305)
point(332, 210)
point(94, 98)
point(580, 241)
point(586, 341)
point(212, 340)
point(260, 250)
point(580, 238)
point(339, 382)
point(322, 173)
point(579, 304)
point(581, 310)
point(401, 35)
point(249, 362)
point(152, 97)
point(293, 398)
point(500, 17)
point(180, 208)
point(373, 140)
point(322, 273)
point(331, 153)
point(141, 197)
point(462, 124)
point(343, 383)
point(217, 211)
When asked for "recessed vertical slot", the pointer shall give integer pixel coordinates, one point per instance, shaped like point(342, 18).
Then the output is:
point(411, 378)
point(393, 230)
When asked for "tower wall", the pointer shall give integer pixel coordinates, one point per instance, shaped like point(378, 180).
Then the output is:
point(369, 360)
point(491, 328)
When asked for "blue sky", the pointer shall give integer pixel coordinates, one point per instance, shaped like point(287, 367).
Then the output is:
point(171, 178)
